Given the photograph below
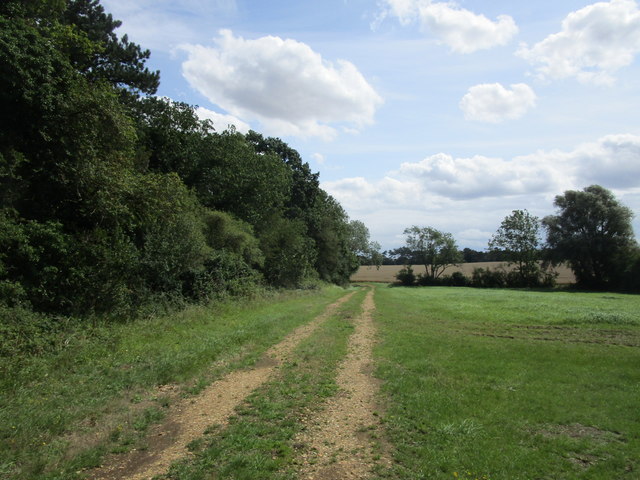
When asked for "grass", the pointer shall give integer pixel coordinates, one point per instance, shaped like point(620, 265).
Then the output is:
point(259, 443)
point(97, 391)
point(501, 384)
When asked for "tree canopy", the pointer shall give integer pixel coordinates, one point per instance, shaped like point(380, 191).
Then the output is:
point(436, 250)
point(519, 238)
point(111, 198)
point(593, 232)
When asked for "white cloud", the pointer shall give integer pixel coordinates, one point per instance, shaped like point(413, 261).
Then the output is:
point(470, 196)
point(461, 30)
point(221, 122)
point(466, 178)
point(493, 103)
point(612, 161)
point(283, 84)
point(593, 44)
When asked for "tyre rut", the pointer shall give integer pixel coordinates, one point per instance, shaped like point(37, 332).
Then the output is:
point(340, 440)
point(189, 419)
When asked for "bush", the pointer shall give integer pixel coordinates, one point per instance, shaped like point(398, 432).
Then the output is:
point(406, 276)
point(630, 278)
point(24, 332)
point(485, 278)
point(458, 279)
point(223, 273)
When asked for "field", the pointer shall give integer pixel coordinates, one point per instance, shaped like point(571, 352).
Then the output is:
point(371, 382)
point(498, 384)
point(386, 273)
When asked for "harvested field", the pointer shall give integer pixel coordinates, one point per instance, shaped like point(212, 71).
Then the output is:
point(387, 273)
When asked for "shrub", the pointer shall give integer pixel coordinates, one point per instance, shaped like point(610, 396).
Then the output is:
point(406, 276)
point(485, 278)
point(458, 279)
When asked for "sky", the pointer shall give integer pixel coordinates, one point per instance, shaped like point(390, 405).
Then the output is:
point(417, 112)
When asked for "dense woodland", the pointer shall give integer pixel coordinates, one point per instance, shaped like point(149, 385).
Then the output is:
point(112, 198)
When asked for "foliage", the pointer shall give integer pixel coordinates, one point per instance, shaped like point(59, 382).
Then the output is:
point(406, 276)
point(116, 60)
point(327, 226)
point(519, 237)
point(436, 250)
point(368, 252)
point(593, 233)
point(289, 253)
point(111, 201)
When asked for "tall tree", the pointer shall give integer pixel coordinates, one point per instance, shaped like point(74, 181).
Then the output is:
point(593, 232)
point(368, 252)
point(519, 238)
point(437, 250)
point(115, 59)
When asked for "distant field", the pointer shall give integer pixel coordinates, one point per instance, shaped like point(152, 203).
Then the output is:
point(387, 273)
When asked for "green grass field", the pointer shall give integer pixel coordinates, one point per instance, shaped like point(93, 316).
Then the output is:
point(475, 384)
point(498, 384)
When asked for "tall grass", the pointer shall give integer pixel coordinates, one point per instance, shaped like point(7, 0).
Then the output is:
point(509, 384)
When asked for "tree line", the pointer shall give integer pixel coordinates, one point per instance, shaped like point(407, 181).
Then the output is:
point(112, 198)
point(591, 233)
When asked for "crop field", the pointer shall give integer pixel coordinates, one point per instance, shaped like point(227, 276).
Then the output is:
point(387, 273)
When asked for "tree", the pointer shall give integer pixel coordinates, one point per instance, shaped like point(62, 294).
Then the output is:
point(437, 250)
point(593, 233)
point(116, 60)
point(519, 237)
point(368, 252)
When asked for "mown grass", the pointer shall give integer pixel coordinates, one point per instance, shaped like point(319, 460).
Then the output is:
point(62, 410)
point(259, 441)
point(499, 384)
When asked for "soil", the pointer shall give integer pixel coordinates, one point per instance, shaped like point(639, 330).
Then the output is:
point(188, 419)
point(342, 440)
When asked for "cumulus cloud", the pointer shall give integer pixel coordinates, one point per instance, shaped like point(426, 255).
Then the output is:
point(469, 196)
point(479, 176)
point(612, 161)
point(593, 44)
point(461, 30)
point(221, 121)
point(494, 103)
point(283, 84)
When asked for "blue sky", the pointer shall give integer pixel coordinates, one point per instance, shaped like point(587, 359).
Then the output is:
point(417, 112)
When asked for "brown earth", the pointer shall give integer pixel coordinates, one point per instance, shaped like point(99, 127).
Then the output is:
point(189, 418)
point(387, 273)
point(340, 441)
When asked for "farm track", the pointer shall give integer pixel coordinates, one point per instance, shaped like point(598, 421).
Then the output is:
point(189, 419)
point(341, 441)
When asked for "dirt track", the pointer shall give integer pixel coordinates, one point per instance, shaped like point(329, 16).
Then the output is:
point(189, 419)
point(341, 439)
